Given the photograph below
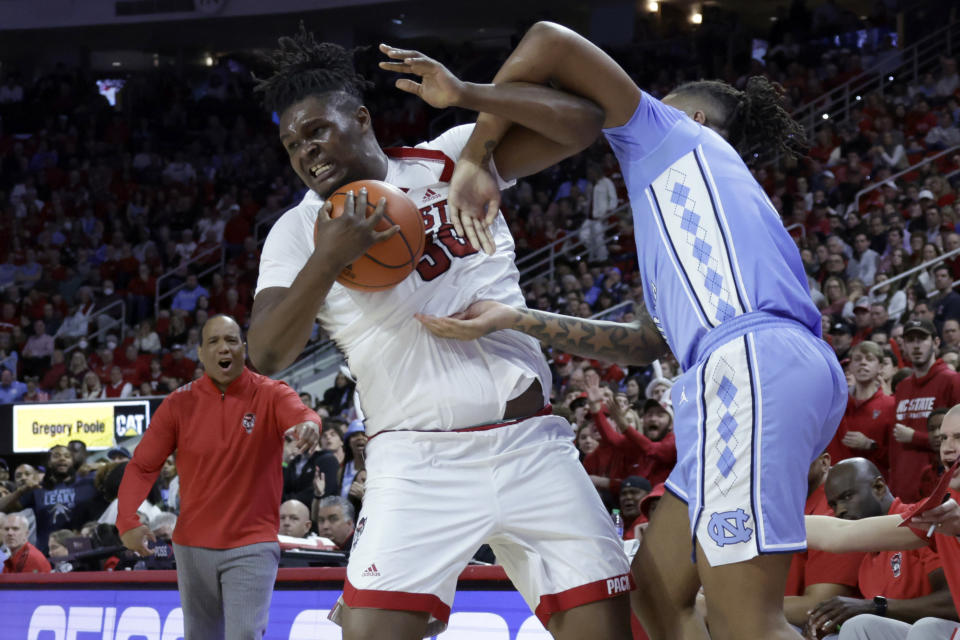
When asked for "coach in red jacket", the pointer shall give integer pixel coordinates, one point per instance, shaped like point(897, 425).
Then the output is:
point(932, 385)
point(227, 429)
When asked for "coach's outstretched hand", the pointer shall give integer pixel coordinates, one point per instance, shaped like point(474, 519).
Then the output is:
point(307, 435)
point(479, 319)
point(136, 540)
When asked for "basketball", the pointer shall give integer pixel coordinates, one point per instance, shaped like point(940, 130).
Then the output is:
point(386, 263)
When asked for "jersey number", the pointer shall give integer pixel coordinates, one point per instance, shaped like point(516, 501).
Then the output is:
point(435, 261)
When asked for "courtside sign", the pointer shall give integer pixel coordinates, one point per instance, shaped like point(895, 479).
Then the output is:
point(37, 427)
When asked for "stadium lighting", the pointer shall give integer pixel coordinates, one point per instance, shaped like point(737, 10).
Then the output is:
point(115, 63)
point(696, 17)
point(208, 60)
point(653, 7)
point(890, 78)
point(825, 116)
point(858, 98)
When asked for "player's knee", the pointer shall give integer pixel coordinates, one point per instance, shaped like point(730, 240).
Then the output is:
point(379, 624)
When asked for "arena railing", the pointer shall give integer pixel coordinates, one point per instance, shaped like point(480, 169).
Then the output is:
point(909, 272)
point(835, 104)
point(927, 160)
point(185, 267)
point(542, 262)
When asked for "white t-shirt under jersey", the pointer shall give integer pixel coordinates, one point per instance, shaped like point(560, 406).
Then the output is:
point(406, 377)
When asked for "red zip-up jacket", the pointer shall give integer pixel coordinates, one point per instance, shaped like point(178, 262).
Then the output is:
point(229, 452)
point(874, 418)
point(916, 398)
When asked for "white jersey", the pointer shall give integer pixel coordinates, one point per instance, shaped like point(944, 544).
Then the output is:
point(408, 379)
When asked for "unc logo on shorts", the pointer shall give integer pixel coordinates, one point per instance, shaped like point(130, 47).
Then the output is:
point(248, 422)
point(896, 561)
point(729, 527)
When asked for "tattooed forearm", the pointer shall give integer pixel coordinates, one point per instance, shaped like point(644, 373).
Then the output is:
point(637, 343)
point(488, 148)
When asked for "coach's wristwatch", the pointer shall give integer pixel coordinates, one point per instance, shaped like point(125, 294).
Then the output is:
point(880, 606)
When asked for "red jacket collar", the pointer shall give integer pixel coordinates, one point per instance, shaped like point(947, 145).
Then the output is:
point(238, 387)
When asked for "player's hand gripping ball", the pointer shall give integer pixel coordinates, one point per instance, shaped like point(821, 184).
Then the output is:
point(387, 263)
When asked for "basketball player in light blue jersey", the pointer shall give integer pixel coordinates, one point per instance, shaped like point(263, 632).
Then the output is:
point(725, 290)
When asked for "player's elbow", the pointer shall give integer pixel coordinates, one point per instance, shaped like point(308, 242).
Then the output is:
point(591, 118)
point(266, 359)
point(545, 32)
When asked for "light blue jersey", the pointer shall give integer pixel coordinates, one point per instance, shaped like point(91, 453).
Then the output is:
point(709, 243)
point(761, 394)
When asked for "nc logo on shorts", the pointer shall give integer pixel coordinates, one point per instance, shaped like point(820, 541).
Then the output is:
point(729, 527)
point(249, 419)
point(896, 560)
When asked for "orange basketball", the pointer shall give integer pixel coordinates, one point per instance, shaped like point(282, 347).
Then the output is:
point(386, 263)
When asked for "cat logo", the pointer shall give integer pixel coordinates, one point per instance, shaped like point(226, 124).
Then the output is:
point(248, 422)
point(130, 419)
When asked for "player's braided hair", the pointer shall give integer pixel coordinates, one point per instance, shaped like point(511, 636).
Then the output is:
point(303, 67)
point(753, 120)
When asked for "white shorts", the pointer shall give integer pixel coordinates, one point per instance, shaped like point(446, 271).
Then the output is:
point(432, 498)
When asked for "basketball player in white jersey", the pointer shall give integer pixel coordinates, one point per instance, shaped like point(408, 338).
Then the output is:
point(463, 448)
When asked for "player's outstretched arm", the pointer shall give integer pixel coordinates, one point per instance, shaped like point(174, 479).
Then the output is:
point(561, 117)
point(638, 343)
point(282, 318)
point(544, 127)
point(880, 533)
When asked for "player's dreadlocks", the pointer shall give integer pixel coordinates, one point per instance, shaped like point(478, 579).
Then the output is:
point(752, 120)
point(303, 67)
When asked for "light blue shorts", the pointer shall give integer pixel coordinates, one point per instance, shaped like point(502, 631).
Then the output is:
point(763, 401)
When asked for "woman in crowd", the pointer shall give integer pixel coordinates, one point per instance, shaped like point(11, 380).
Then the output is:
point(147, 340)
point(835, 291)
point(91, 387)
point(891, 296)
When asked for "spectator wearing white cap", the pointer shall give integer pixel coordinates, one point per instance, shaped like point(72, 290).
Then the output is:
point(658, 389)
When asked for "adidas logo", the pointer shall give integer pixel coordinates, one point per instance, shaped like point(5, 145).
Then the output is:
point(370, 572)
point(429, 194)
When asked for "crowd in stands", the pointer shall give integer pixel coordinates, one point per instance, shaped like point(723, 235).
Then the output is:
point(122, 231)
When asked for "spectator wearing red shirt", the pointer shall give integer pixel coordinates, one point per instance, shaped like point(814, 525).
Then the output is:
point(134, 365)
point(932, 385)
point(815, 575)
point(227, 429)
point(117, 387)
point(177, 365)
point(233, 307)
point(140, 293)
point(904, 585)
point(607, 464)
point(651, 453)
point(868, 420)
point(24, 557)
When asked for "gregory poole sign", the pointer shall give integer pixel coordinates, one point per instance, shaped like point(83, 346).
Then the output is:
point(37, 427)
